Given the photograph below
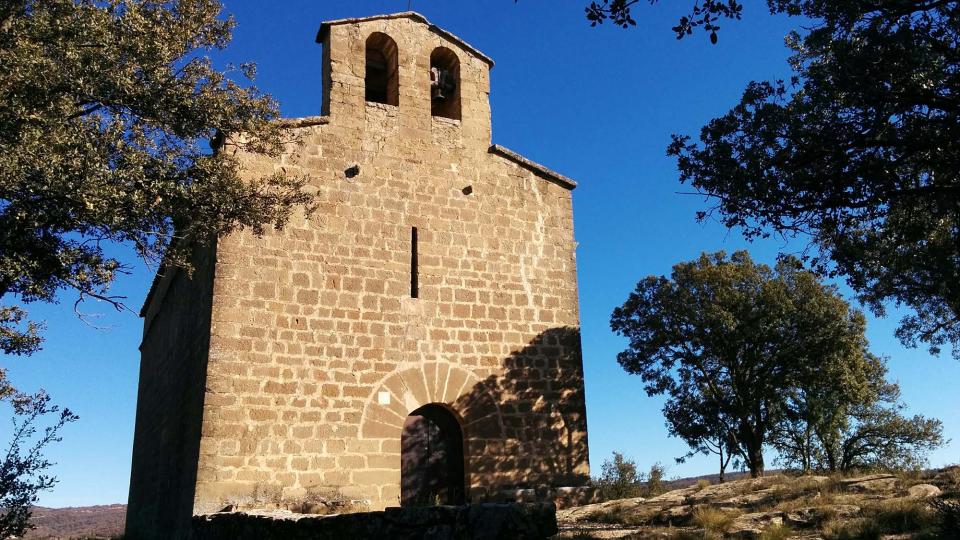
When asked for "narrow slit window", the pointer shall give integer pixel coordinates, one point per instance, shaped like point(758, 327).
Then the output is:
point(414, 271)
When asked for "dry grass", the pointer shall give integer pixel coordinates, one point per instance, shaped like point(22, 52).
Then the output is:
point(323, 501)
point(701, 484)
point(696, 535)
point(853, 529)
point(713, 519)
point(909, 477)
point(949, 478)
point(776, 532)
point(619, 515)
point(800, 492)
point(896, 516)
point(903, 516)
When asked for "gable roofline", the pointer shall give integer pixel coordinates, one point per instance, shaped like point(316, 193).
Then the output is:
point(325, 29)
point(533, 166)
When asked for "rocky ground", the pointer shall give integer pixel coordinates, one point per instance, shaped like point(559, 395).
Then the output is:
point(775, 507)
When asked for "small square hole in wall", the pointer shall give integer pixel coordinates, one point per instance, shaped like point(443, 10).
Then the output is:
point(383, 397)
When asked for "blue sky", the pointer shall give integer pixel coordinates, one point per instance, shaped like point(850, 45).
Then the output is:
point(596, 104)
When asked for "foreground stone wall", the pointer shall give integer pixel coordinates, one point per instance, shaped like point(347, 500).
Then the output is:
point(475, 522)
point(170, 400)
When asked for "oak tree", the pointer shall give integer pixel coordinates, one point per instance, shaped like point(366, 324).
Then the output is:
point(853, 420)
point(106, 108)
point(726, 340)
point(858, 150)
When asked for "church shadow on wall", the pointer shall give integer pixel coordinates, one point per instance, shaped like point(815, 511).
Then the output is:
point(526, 428)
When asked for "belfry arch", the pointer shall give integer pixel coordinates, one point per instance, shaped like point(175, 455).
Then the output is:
point(445, 84)
point(381, 77)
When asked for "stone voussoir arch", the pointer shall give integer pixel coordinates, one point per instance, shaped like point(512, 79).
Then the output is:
point(410, 387)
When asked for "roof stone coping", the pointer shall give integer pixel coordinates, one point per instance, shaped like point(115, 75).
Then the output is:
point(306, 121)
point(542, 171)
point(537, 168)
point(325, 28)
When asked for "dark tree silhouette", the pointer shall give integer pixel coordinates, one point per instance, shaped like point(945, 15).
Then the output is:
point(859, 151)
point(105, 112)
point(22, 472)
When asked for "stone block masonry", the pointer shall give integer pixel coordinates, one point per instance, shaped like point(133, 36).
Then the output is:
point(437, 279)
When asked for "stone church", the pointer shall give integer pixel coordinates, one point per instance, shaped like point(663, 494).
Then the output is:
point(414, 341)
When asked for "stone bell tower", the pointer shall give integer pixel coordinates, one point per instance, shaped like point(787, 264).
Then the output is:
point(414, 341)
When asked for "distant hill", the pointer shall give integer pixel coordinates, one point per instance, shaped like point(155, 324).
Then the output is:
point(678, 483)
point(87, 522)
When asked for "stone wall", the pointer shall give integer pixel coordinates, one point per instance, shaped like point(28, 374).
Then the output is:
point(476, 522)
point(170, 400)
point(318, 351)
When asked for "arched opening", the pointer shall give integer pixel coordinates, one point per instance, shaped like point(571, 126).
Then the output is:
point(382, 81)
point(431, 459)
point(444, 83)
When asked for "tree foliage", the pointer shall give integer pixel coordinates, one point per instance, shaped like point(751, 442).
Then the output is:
point(827, 427)
point(705, 14)
point(105, 107)
point(23, 469)
point(703, 429)
point(619, 478)
point(860, 150)
point(726, 340)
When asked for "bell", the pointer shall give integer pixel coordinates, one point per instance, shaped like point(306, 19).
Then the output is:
point(436, 89)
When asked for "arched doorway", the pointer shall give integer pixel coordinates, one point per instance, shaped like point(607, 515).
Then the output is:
point(431, 460)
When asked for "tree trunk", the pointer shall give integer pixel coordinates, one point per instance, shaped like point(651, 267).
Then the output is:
point(831, 456)
point(723, 466)
point(755, 460)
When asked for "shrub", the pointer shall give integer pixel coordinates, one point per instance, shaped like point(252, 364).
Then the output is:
point(702, 484)
point(655, 479)
point(618, 479)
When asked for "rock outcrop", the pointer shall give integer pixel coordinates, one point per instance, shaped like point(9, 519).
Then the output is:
point(805, 507)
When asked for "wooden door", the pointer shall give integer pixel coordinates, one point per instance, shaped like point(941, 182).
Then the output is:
point(431, 461)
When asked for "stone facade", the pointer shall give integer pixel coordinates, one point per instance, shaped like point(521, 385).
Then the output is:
point(292, 360)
